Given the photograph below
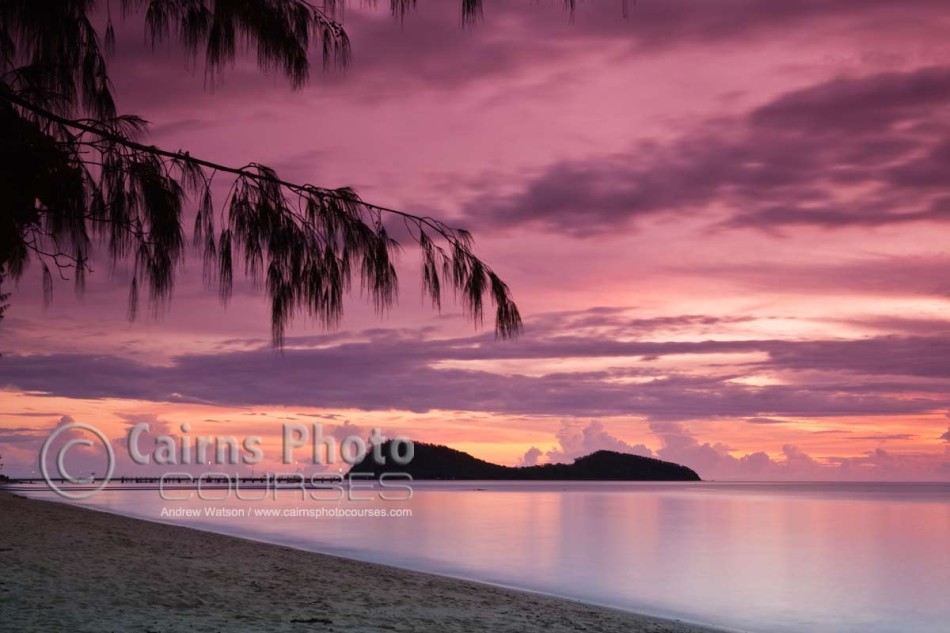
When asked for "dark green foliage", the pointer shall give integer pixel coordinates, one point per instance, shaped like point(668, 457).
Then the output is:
point(74, 174)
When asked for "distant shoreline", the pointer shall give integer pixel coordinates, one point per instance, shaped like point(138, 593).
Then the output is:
point(435, 462)
point(72, 568)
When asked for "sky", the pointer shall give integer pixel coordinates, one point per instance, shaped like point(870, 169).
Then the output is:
point(724, 223)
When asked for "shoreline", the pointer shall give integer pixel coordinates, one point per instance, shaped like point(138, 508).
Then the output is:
point(74, 568)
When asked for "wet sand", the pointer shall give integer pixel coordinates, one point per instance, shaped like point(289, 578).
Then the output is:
point(66, 568)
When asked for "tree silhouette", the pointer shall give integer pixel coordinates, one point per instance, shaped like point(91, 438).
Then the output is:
point(75, 173)
point(3, 296)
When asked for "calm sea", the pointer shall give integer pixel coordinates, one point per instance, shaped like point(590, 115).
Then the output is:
point(750, 557)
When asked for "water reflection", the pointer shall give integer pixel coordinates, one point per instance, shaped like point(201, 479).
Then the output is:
point(756, 557)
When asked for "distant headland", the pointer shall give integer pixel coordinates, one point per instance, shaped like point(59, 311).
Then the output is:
point(432, 461)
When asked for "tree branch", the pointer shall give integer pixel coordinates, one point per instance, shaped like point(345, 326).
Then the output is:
point(308, 267)
point(86, 125)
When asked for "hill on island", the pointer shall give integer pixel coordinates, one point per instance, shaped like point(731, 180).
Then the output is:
point(432, 461)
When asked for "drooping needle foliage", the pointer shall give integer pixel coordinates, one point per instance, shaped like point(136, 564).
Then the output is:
point(75, 174)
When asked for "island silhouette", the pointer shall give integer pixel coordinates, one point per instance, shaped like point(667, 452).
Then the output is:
point(434, 461)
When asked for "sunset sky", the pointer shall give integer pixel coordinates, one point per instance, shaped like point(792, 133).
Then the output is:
point(725, 225)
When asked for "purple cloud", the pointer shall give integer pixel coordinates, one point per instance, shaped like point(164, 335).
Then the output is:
point(531, 457)
point(406, 371)
point(594, 437)
point(866, 151)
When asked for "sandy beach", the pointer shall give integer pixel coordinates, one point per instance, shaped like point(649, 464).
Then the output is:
point(71, 569)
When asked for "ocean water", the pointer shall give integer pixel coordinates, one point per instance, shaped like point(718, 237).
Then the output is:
point(742, 556)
